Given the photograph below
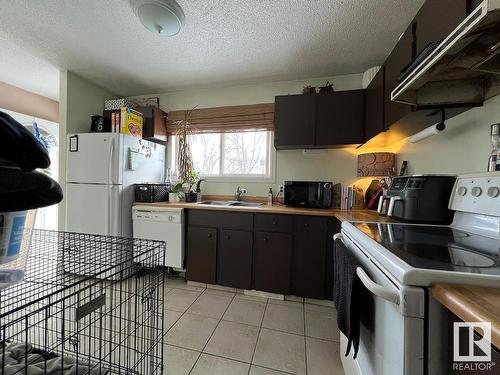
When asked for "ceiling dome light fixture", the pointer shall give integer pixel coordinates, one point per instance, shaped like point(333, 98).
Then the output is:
point(164, 17)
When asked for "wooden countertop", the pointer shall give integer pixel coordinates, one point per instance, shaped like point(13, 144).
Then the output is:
point(472, 304)
point(342, 215)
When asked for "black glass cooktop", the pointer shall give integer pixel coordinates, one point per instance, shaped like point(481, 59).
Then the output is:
point(437, 247)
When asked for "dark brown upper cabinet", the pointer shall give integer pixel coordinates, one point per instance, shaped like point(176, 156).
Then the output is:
point(400, 57)
point(154, 124)
point(319, 120)
point(340, 118)
point(294, 121)
point(374, 107)
point(436, 19)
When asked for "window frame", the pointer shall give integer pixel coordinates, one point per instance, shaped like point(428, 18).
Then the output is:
point(255, 178)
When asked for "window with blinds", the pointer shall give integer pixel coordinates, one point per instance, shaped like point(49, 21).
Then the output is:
point(228, 142)
point(225, 119)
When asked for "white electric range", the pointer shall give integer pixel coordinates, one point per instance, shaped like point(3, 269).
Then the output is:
point(403, 330)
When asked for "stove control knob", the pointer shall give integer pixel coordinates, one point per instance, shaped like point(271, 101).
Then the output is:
point(476, 191)
point(462, 190)
point(493, 191)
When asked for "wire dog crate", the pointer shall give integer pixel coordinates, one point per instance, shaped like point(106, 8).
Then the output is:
point(89, 304)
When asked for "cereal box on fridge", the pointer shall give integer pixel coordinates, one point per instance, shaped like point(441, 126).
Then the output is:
point(130, 122)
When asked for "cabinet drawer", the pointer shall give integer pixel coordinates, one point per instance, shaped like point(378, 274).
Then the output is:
point(220, 219)
point(273, 223)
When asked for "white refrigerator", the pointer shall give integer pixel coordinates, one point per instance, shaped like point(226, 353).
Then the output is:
point(101, 171)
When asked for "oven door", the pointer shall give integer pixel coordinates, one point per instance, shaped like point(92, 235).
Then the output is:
point(392, 323)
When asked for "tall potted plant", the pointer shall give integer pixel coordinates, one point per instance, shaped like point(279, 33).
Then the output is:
point(187, 174)
point(184, 157)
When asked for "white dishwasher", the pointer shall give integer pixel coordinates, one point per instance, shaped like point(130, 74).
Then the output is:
point(162, 224)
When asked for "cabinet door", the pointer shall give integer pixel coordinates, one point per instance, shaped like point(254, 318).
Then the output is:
point(201, 253)
point(272, 262)
point(399, 58)
point(437, 19)
point(340, 118)
point(294, 121)
point(374, 107)
point(309, 256)
point(234, 259)
point(154, 124)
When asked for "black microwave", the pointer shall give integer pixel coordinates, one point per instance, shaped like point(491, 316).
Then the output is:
point(309, 194)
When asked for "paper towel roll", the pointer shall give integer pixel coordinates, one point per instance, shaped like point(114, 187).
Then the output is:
point(428, 132)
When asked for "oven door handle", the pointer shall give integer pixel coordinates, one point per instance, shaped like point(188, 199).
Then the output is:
point(376, 289)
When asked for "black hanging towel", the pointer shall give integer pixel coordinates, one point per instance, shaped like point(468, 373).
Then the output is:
point(347, 289)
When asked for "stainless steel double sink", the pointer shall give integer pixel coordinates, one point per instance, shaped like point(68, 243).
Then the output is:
point(230, 203)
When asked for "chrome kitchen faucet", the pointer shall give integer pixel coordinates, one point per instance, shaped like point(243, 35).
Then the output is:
point(239, 192)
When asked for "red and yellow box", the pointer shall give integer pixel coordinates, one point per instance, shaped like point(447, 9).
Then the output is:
point(131, 122)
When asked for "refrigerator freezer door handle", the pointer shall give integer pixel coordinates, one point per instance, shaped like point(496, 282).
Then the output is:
point(108, 210)
point(110, 159)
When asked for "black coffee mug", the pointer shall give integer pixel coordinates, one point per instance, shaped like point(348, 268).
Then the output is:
point(97, 123)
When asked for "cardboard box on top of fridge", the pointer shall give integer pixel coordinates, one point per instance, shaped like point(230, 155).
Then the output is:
point(131, 122)
point(116, 104)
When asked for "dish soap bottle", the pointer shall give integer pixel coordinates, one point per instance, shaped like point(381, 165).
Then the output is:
point(270, 197)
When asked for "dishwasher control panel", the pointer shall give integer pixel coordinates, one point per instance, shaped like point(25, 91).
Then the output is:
point(161, 216)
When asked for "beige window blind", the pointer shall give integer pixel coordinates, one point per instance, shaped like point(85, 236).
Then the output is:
point(225, 119)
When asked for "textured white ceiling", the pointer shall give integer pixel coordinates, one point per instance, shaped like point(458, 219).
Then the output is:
point(222, 42)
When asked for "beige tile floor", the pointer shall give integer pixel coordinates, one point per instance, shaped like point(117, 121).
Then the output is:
point(216, 332)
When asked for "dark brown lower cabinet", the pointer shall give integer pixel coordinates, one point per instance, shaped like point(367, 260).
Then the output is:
point(277, 253)
point(234, 259)
point(201, 254)
point(272, 262)
point(309, 256)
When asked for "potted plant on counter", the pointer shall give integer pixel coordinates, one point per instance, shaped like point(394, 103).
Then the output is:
point(189, 182)
point(176, 193)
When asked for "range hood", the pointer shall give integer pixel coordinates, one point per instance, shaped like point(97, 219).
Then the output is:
point(461, 70)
